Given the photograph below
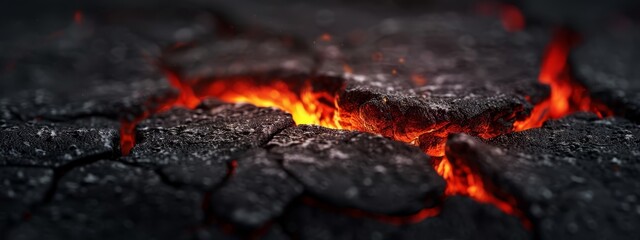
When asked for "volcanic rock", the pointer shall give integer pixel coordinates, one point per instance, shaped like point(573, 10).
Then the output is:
point(110, 200)
point(104, 65)
point(573, 177)
point(358, 170)
point(258, 190)
point(21, 188)
point(307, 222)
point(609, 66)
point(240, 56)
point(460, 218)
point(54, 144)
point(463, 218)
point(193, 147)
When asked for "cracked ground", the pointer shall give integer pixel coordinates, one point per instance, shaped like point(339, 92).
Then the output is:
point(233, 121)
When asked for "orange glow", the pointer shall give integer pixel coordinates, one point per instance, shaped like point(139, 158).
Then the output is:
point(418, 80)
point(567, 96)
point(305, 105)
point(186, 97)
point(347, 69)
point(325, 37)
point(128, 126)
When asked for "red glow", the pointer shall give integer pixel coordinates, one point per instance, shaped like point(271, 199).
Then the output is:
point(78, 17)
point(357, 213)
point(567, 96)
point(463, 181)
point(128, 127)
point(232, 166)
point(512, 18)
point(186, 98)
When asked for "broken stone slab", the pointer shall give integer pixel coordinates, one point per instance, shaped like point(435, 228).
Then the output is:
point(608, 65)
point(20, 189)
point(109, 200)
point(53, 144)
point(460, 218)
point(463, 218)
point(257, 191)
point(358, 170)
point(193, 147)
point(437, 74)
point(572, 177)
point(404, 78)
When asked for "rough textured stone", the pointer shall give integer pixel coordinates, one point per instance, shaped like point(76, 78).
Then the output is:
point(307, 222)
point(193, 146)
point(359, 170)
point(609, 66)
point(21, 188)
point(573, 177)
point(108, 200)
point(257, 192)
point(42, 143)
point(239, 56)
point(436, 74)
point(460, 218)
point(109, 100)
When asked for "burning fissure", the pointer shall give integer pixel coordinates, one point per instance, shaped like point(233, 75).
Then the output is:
point(566, 96)
point(314, 100)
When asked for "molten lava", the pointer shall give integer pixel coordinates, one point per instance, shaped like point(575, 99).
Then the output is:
point(306, 105)
point(567, 96)
point(461, 180)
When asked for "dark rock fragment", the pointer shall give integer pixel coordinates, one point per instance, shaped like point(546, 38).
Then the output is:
point(109, 200)
point(358, 170)
point(609, 66)
point(54, 144)
point(573, 177)
point(258, 191)
point(193, 146)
